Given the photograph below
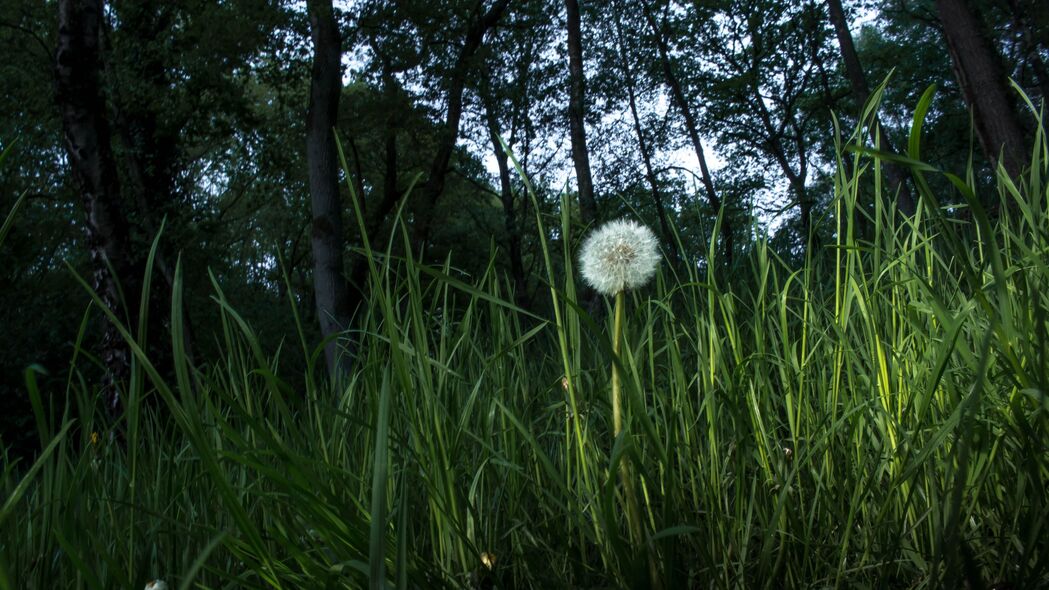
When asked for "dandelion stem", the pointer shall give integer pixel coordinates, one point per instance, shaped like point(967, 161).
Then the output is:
point(629, 496)
point(617, 336)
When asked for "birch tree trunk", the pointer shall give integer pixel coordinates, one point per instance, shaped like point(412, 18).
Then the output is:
point(86, 136)
point(330, 287)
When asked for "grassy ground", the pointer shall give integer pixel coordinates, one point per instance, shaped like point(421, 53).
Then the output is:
point(875, 418)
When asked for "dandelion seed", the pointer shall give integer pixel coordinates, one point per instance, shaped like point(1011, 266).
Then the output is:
point(619, 255)
point(157, 585)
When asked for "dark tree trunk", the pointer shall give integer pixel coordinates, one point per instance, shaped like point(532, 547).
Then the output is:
point(681, 101)
point(434, 187)
point(506, 195)
point(86, 135)
point(374, 217)
point(984, 86)
point(524, 108)
point(150, 147)
point(853, 69)
point(391, 193)
point(150, 158)
point(772, 143)
point(642, 144)
point(329, 283)
point(861, 92)
point(577, 115)
point(796, 178)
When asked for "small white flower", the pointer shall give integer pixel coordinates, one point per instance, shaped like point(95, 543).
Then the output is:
point(157, 585)
point(619, 255)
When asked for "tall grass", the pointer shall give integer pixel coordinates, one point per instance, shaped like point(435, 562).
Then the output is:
point(874, 418)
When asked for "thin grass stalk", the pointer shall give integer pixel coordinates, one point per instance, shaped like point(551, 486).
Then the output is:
point(583, 465)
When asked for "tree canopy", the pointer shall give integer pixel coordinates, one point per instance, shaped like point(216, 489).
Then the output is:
point(673, 112)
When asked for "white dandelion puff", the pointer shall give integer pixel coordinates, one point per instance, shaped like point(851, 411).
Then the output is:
point(619, 255)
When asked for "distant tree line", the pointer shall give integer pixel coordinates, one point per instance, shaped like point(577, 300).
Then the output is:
point(218, 122)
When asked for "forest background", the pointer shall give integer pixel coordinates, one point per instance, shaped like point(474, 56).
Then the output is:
point(271, 144)
point(668, 111)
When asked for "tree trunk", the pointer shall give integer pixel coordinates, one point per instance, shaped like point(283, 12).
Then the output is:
point(150, 147)
point(678, 96)
point(642, 144)
point(376, 215)
point(861, 92)
point(577, 115)
point(329, 284)
point(450, 133)
point(796, 179)
point(391, 193)
point(984, 86)
point(772, 144)
point(86, 135)
point(506, 195)
point(150, 159)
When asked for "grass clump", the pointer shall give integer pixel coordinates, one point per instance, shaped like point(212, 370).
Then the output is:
point(873, 418)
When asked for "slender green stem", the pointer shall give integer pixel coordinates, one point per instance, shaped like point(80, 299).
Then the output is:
point(633, 513)
point(630, 497)
point(617, 337)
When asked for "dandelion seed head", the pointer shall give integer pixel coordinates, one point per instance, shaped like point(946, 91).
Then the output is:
point(619, 255)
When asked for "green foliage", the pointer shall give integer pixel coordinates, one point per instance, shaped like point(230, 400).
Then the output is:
point(873, 418)
point(865, 413)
